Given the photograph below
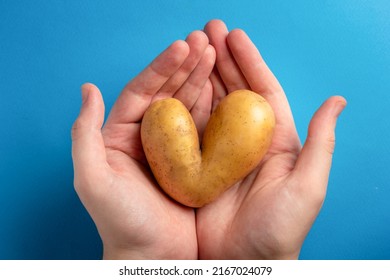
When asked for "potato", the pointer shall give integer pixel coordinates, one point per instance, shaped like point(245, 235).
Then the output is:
point(236, 138)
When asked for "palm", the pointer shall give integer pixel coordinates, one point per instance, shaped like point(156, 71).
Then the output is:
point(134, 217)
point(265, 215)
point(142, 215)
point(251, 216)
point(255, 216)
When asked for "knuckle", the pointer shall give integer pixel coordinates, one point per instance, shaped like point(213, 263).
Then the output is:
point(318, 197)
point(75, 131)
point(79, 128)
point(83, 187)
point(89, 182)
point(313, 191)
point(330, 144)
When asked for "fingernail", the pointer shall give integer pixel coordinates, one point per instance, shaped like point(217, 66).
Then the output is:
point(84, 93)
point(339, 106)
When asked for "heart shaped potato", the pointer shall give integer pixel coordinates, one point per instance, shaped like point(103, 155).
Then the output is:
point(235, 140)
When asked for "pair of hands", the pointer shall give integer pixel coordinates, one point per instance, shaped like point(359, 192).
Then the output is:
point(267, 215)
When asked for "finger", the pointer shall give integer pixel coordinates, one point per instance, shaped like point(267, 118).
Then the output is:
point(250, 62)
point(201, 110)
point(219, 89)
point(228, 69)
point(192, 88)
point(88, 151)
point(197, 42)
point(259, 76)
point(314, 162)
point(138, 93)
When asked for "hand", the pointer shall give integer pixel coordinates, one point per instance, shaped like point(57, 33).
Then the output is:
point(135, 219)
point(268, 214)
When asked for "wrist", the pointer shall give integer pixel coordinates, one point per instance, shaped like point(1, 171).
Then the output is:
point(287, 256)
point(110, 253)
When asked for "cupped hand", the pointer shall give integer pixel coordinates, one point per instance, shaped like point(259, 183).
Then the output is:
point(134, 218)
point(268, 214)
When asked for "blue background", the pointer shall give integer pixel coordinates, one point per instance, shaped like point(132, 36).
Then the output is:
point(315, 48)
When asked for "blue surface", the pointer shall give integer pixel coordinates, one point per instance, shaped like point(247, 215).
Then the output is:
point(315, 48)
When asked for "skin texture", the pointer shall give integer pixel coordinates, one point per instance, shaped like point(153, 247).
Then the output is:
point(236, 138)
point(134, 218)
point(266, 215)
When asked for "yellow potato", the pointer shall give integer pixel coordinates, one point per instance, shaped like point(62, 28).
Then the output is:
point(235, 140)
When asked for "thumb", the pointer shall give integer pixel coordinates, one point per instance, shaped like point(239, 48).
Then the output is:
point(88, 151)
point(314, 162)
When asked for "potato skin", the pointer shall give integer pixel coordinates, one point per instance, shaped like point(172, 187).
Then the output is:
point(235, 140)
point(170, 142)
